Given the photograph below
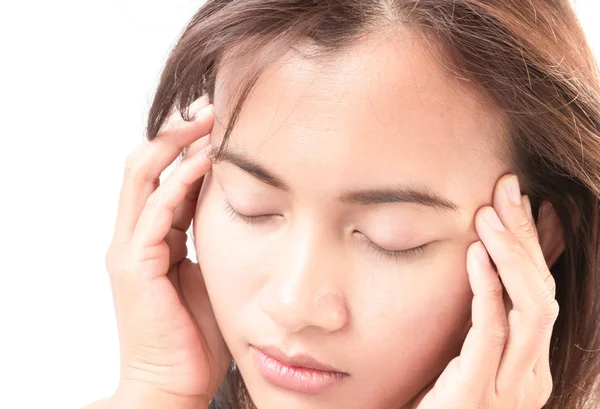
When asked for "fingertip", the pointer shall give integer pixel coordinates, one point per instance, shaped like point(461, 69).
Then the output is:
point(480, 220)
point(201, 112)
point(480, 266)
point(199, 104)
point(207, 111)
point(481, 253)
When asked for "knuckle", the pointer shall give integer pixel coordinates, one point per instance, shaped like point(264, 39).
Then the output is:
point(554, 310)
point(137, 163)
point(499, 335)
point(495, 292)
point(526, 228)
point(126, 262)
point(546, 313)
point(550, 282)
point(154, 200)
point(142, 257)
point(132, 166)
point(546, 297)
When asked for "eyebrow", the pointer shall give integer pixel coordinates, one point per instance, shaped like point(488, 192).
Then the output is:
point(421, 195)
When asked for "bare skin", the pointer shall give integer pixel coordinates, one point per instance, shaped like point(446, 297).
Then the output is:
point(171, 350)
point(175, 350)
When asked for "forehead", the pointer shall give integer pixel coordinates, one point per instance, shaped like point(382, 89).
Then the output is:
point(384, 110)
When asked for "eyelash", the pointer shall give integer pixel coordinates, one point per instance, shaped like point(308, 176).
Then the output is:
point(380, 251)
point(234, 215)
point(394, 254)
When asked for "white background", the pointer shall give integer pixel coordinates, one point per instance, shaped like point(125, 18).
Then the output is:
point(76, 79)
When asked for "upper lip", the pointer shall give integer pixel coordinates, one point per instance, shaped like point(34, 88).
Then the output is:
point(299, 359)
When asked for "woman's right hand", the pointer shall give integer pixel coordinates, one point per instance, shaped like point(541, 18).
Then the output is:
point(172, 352)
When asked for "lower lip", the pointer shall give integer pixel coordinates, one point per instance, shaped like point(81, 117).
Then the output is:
point(294, 378)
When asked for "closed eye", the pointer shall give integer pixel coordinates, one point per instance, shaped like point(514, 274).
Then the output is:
point(380, 251)
point(393, 254)
point(237, 216)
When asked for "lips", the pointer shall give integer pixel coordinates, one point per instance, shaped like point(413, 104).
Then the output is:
point(298, 360)
point(299, 372)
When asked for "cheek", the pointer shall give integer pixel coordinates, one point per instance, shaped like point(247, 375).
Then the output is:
point(225, 260)
point(417, 322)
point(441, 299)
point(440, 306)
point(428, 298)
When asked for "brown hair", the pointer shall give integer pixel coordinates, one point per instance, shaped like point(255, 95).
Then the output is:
point(529, 57)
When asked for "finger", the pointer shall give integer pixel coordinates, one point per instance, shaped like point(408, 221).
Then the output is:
point(531, 319)
point(184, 212)
point(515, 214)
point(177, 242)
point(157, 216)
point(542, 365)
point(483, 346)
point(144, 166)
point(176, 119)
point(527, 204)
point(516, 268)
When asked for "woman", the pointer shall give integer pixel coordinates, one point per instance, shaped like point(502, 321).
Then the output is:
point(391, 201)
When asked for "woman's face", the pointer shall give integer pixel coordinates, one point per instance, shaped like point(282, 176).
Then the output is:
point(380, 147)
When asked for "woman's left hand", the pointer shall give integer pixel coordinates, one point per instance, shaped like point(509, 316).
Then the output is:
point(504, 362)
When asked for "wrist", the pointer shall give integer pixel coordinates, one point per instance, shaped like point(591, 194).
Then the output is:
point(136, 395)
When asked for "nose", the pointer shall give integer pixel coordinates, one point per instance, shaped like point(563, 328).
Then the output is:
point(304, 288)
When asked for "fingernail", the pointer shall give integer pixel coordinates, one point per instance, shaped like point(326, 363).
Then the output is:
point(481, 253)
point(492, 219)
point(527, 203)
point(513, 190)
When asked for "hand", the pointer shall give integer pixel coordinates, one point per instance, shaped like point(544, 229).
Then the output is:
point(171, 348)
point(504, 362)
